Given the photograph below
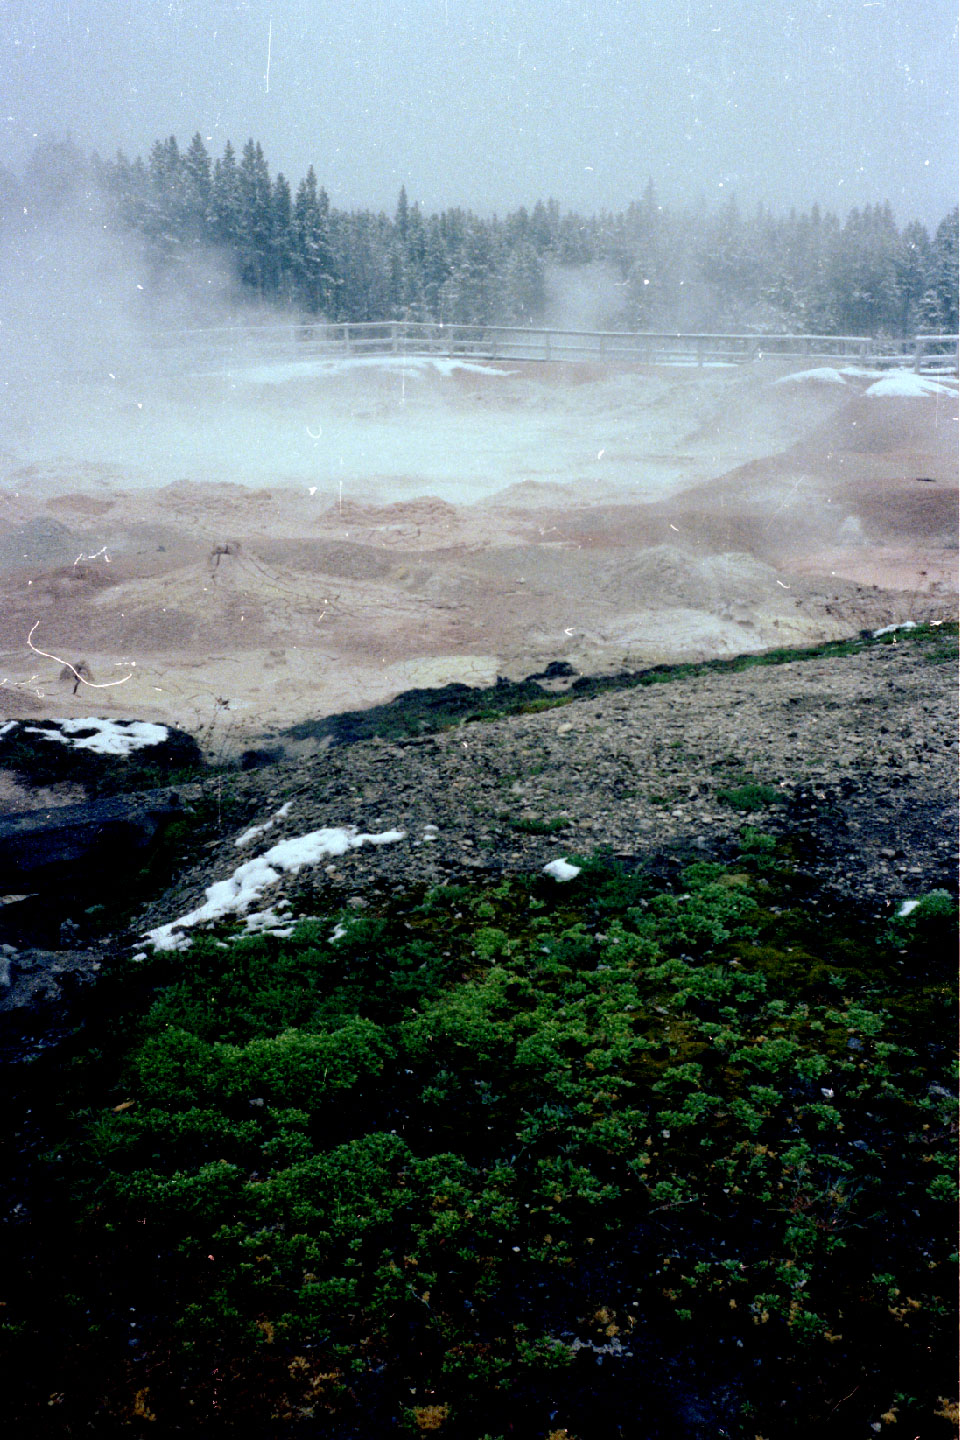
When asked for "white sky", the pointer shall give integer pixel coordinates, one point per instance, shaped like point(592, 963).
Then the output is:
point(495, 103)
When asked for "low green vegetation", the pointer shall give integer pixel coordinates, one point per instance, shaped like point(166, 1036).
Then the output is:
point(506, 1159)
point(750, 796)
point(424, 712)
point(532, 825)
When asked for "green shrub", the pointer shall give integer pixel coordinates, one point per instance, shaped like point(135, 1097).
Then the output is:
point(409, 1159)
point(750, 797)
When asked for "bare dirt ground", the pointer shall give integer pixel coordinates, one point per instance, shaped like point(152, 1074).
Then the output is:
point(456, 527)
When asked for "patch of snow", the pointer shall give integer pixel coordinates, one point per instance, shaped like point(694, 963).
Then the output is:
point(857, 372)
point(890, 629)
point(269, 922)
point(248, 882)
point(408, 365)
point(707, 364)
point(447, 367)
point(8, 725)
point(431, 832)
point(255, 830)
point(111, 737)
point(909, 385)
point(823, 375)
point(907, 908)
point(561, 870)
point(338, 932)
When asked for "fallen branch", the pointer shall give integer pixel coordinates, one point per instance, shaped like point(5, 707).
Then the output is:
point(81, 679)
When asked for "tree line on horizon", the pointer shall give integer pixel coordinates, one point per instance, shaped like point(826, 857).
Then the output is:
point(648, 267)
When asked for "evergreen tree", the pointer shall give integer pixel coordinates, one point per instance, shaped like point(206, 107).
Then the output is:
point(402, 217)
point(313, 267)
point(801, 272)
point(197, 183)
point(166, 218)
point(943, 271)
point(283, 256)
point(226, 200)
point(520, 289)
point(256, 218)
point(56, 176)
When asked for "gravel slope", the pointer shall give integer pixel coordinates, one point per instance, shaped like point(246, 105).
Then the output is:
point(862, 751)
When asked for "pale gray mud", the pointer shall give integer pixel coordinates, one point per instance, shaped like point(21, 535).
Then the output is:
point(235, 553)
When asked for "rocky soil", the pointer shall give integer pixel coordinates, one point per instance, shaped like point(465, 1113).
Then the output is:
point(861, 752)
point(853, 757)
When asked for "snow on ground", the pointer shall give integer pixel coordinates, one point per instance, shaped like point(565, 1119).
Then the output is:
point(248, 882)
point(395, 428)
point(255, 830)
point(408, 365)
point(902, 383)
point(561, 870)
point(907, 908)
point(270, 922)
point(907, 384)
point(110, 737)
point(891, 629)
point(823, 375)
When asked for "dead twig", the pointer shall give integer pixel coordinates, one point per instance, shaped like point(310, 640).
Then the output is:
point(73, 669)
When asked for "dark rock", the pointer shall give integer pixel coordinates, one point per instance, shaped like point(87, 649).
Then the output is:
point(257, 759)
point(81, 847)
point(40, 993)
point(40, 752)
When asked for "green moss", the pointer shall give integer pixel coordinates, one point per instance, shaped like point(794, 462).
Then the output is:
point(750, 797)
point(411, 1155)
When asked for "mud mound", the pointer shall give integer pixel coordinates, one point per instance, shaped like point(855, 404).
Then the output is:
point(870, 425)
point(900, 509)
point(527, 495)
point(667, 576)
point(426, 509)
point(339, 558)
point(87, 506)
point(677, 632)
point(73, 584)
point(40, 541)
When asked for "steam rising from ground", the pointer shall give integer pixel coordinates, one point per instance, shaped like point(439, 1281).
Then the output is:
point(588, 297)
point(257, 539)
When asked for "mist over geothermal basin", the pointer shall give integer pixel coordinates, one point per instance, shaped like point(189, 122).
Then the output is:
point(391, 426)
point(272, 540)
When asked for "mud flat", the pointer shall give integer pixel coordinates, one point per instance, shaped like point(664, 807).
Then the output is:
point(240, 551)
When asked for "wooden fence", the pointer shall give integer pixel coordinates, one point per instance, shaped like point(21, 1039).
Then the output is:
point(287, 342)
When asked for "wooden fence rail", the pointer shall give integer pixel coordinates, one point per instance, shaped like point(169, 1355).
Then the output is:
point(309, 340)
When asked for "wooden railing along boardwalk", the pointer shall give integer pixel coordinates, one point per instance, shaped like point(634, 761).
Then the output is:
point(318, 340)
